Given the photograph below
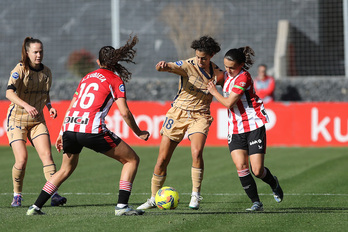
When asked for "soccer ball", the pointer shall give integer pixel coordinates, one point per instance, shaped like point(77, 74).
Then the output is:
point(167, 198)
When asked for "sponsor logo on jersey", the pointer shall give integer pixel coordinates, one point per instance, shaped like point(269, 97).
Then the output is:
point(15, 75)
point(179, 63)
point(121, 88)
point(76, 120)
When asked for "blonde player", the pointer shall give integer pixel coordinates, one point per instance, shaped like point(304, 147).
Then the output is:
point(28, 90)
point(190, 113)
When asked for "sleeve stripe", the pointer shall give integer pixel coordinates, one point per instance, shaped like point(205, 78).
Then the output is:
point(236, 86)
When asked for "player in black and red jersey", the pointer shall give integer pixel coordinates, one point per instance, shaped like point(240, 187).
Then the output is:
point(84, 126)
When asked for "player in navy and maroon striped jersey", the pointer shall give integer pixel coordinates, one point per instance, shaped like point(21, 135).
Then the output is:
point(84, 126)
point(246, 124)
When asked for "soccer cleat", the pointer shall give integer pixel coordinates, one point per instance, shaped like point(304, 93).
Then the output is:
point(256, 207)
point(128, 211)
point(278, 192)
point(195, 200)
point(33, 211)
point(149, 204)
point(57, 200)
point(17, 201)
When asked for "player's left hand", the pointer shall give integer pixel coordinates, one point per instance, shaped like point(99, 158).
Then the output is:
point(53, 113)
point(144, 135)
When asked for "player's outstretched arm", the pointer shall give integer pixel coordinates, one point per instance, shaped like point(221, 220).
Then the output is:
point(129, 119)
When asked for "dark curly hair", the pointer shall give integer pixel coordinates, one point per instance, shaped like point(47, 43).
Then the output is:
point(110, 57)
point(241, 55)
point(207, 45)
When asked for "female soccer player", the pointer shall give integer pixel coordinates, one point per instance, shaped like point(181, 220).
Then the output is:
point(190, 113)
point(28, 90)
point(246, 124)
point(84, 126)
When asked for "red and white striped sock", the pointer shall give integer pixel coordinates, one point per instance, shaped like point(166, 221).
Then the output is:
point(125, 185)
point(244, 172)
point(49, 188)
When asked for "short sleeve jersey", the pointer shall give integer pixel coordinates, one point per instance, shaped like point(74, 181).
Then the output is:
point(32, 86)
point(248, 113)
point(95, 95)
point(193, 94)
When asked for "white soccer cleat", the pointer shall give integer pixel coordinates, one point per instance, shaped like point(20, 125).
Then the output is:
point(256, 207)
point(128, 211)
point(149, 204)
point(195, 201)
point(34, 211)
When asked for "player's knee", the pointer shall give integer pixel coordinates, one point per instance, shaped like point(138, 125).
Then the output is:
point(257, 172)
point(197, 153)
point(21, 163)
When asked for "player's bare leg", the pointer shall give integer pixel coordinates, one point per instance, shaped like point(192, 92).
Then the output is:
point(197, 145)
point(263, 173)
point(42, 145)
point(18, 170)
point(130, 160)
point(69, 163)
point(166, 150)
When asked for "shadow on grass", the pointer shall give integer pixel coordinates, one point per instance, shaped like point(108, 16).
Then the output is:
point(293, 210)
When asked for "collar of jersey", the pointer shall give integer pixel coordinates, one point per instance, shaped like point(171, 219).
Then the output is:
point(204, 72)
point(37, 70)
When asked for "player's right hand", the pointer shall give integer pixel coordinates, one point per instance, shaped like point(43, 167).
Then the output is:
point(161, 66)
point(59, 143)
point(31, 111)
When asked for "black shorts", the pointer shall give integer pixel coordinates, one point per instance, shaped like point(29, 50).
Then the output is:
point(73, 142)
point(254, 141)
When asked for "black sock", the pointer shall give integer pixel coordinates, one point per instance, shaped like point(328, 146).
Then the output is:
point(42, 199)
point(123, 196)
point(250, 187)
point(269, 179)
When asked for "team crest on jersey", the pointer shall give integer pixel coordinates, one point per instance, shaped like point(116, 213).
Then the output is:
point(179, 63)
point(242, 84)
point(121, 88)
point(15, 75)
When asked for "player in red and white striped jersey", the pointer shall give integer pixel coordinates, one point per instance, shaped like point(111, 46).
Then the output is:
point(246, 129)
point(94, 97)
point(84, 126)
point(248, 113)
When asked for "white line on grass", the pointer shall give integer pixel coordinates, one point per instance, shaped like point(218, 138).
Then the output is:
point(207, 194)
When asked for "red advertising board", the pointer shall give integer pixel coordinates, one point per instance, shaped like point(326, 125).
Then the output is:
point(292, 124)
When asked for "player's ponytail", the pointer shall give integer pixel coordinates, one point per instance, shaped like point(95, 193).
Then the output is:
point(241, 55)
point(25, 47)
point(110, 57)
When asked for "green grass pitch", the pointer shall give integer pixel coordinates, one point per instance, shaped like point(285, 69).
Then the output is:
point(314, 181)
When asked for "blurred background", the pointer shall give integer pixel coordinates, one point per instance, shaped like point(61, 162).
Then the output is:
point(303, 42)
